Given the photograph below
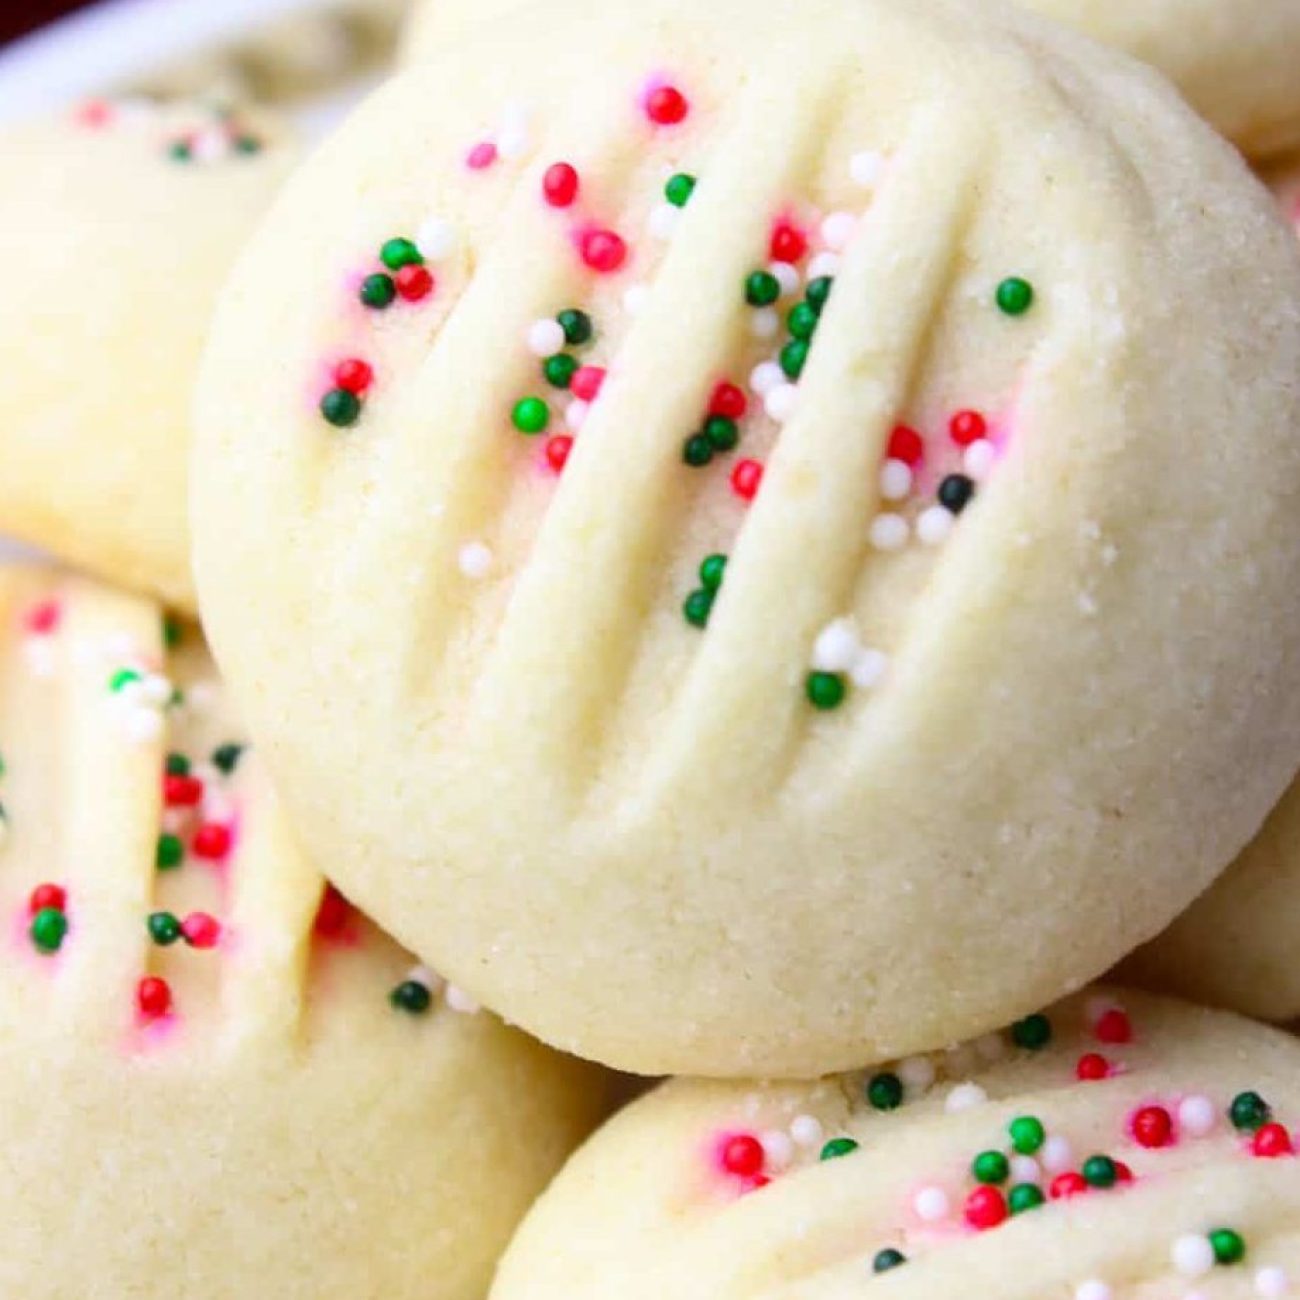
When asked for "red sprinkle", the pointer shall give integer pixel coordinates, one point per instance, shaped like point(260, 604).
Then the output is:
point(905, 444)
point(666, 106)
point(560, 185)
point(42, 619)
point(1272, 1141)
point(557, 451)
point(154, 997)
point(1123, 1173)
point(414, 283)
point(181, 791)
point(333, 913)
point(746, 479)
point(743, 1156)
point(967, 427)
point(603, 250)
point(1092, 1066)
point(1113, 1026)
point(1153, 1126)
point(586, 382)
point(201, 930)
point(1067, 1185)
point(788, 243)
point(986, 1207)
point(211, 841)
point(95, 112)
point(482, 155)
point(354, 375)
point(728, 400)
point(43, 896)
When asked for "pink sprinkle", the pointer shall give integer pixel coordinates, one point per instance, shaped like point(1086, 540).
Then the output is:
point(95, 113)
point(481, 156)
point(43, 618)
point(560, 184)
point(586, 382)
point(201, 930)
point(603, 250)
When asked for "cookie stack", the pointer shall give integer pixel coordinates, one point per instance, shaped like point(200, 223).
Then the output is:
point(756, 542)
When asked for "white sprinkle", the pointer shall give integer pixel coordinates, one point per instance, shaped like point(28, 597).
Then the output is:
point(837, 647)
point(807, 1130)
point(869, 668)
point(823, 264)
point(39, 654)
point(663, 220)
point(978, 459)
point(1192, 1255)
point(218, 806)
point(787, 276)
point(545, 338)
point(781, 401)
point(934, 525)
point(513, 138)
point(778, 1149)
point(459, 1000)
point(931, 1204)
point(474, 559)
point(991, 1047)
point(1093, 1290)
point(765, 323)
point(1197, 1116)
point(965, 1096)
point(436, 239)
point(209, 145)
point(837, 230)
point(1025, 1169)
point(201, 697)
point(895, 480)
point(156, 689)
point(575, 414)
point(1056, 1155)
point(766, 376)
point(917, 1073)
point(423, 975)
point(142, 725)
point(889, 532)
point(866, 168)
point(120, 646)
point(635, 298)
point(175, 820)
point(1271, 1282)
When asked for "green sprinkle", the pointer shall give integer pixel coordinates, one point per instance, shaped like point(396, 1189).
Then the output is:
point(48, 930)
point(181, 151)
point(818, 291)
point(248, 144)
point(122, 678)
point(397, 253)
point(559, 370)
point(164, 929)
point(885, 1091)
point(1015, 296)
point(679, 189)
point(1249, 1112)
point(991, 1167)
point(1100, 1171)
point(1033, 1032)
point(410, 996)
point(698, 606)
point(576, 326)
point(762, 289)
point(722, 433)
point(1027, 1134)
point(825, 690)
point(802, 320)
point(712, 567)
point(340, 408)
point(225, 758)
point(378, 290)
point(1229, 1247)
point(531, 415)
point(178, 765)
point(794, 356)
point(887, 1259)
point(1024, 1196)
point(697, 450)
point(838, 1147)
point(173, 630)
point(170, 852)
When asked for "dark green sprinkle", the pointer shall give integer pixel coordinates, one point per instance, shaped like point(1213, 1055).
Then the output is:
point(411, 996)
point(164, 929)
point(697, 450)
point(1033, 1032)
point(49, 929)
point(991, 1167)
point(679, 189)
point(559, 369)
point(397, 253)
point(178, 765)
point(378, 290)
point(1249, 1112)
point(794, 356)
point(173, 630)
point(181, 151)
point(225, 758)
point(838, 1147)
point(955, 492)
point(722, 433)
point(802, 320)
point(576, 326)
point(818, 291)
point(340, 408)
point(712, 567)
point(1015, 296)
point(885, 1091)
point(887, 1259)
point(698, 606)
point(170, 852)
point(1024, 1196)
point(1100, 1171)
point(248, 144)
point(762, 289)
point(825, 690)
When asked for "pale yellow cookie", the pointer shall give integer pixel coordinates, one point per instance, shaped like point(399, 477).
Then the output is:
point(216, 1079)
point(121, 219)
point(1235, 60)
point(1143, 1153)
point(999, 673)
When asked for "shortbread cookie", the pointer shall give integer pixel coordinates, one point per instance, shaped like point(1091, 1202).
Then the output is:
point(753, 567)
point(121, 220)
point(217, 1079)
point(1235, 60)
point(1119, 1148)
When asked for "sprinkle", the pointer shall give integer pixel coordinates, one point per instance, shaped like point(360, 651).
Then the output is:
point(836, 1148)
point(931, 1204)
point(1024, 1169)
point(43, 618)
point(967, 427)
point(697, 607)
point(977, 460)
point(1271, 1283)
point(200, 930)
point(712, 570)
point(1229, 1247)
point(410, 996)
point(586, 382)
point(49, 927)
point(576, 413)
point(153, 997)
point(895, 480)
point(762, 289)
point(780, 402)
point(885, 1091)
point(45, 897)
point(765, 377)
point(806, 1130)
point(728, 400)
point(558, 449)
point(1014, 296)
point(164, 928)
point(794, 356)
point(825, 691)
point(697, 451)
point(786, 275)
point(1114, 1027)
point(778, 1150)
point(823, 266)
point(576, 325)
point(559, 369)
point(886, 1259)
point(889, 532)
point(1027, 1134)
point(1093, 1290)
point(169, 852)
point(838, 229)
point(481, 156)
point(905, 445)
point(986, 1208)
point(866, 168)
point(1271, 1142)
point(934, 525)
point(378, 291)
point(964, 1096)
point(603, 251)
point(1024, 1197)
point(663, 221)
point(836, 648)
point(531, 415)
point(1152, 1127)
point(788, 244)
point(869, 668)
point(746, 478)
point(1197, 1116)
point(414, 283)
point(1100, 1171)
point(955, 493)
point(436, 239)
point(143, 725)
point(354, 375)
point(545, 338)
point(917, 1073)
point(764, 324)
point(679, 188)
point(1066, 1185)
point(400, 252)
point(991, 1167)
point(460, 1001)
point(666, 106)
point(742, 1155)
point(1057, 1154)
point(1249, 1112)
point(474, 560)
point(211, 842)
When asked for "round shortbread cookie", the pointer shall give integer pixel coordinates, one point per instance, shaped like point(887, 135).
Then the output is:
point(1143, 1153)
point(1234, 60)
point(216, 1079)
point(123, 219)
point(1001, 660)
